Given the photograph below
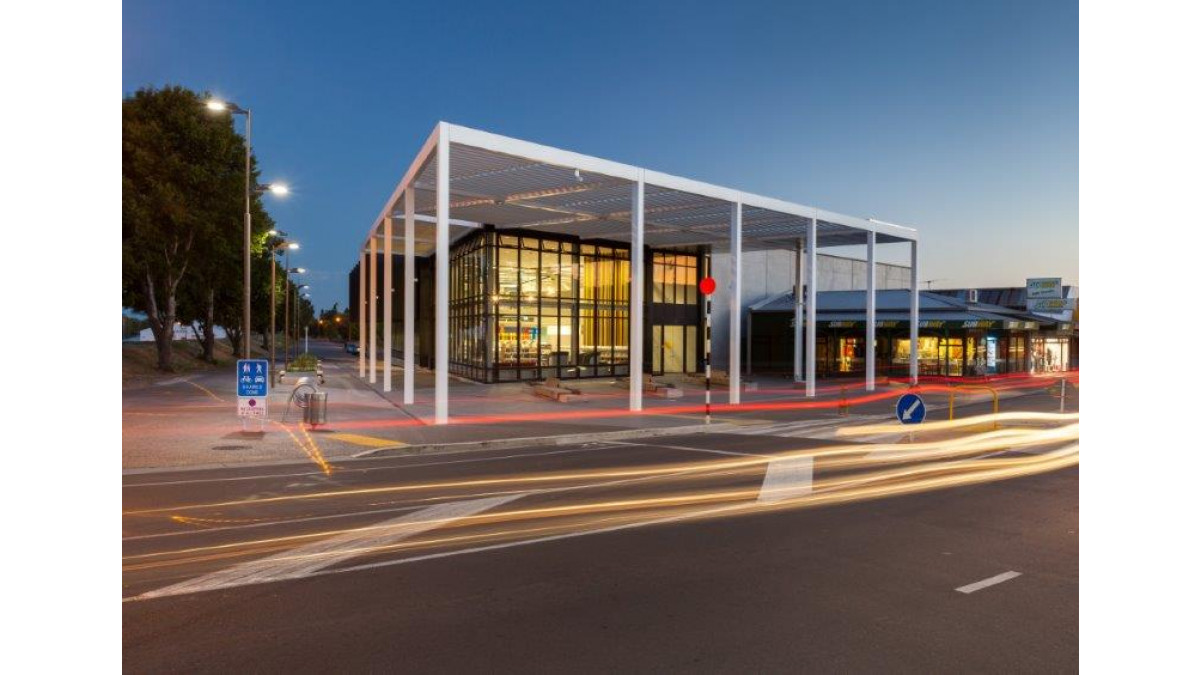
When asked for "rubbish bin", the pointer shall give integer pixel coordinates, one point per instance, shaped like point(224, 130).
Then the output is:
point(314, 410)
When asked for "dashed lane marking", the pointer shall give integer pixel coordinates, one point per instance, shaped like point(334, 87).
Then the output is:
point(786, 478)
point(990, 581)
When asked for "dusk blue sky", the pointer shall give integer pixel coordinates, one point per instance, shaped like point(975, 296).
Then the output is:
point(958, 118)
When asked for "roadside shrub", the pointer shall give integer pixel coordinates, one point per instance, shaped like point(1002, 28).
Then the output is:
point(305, 361)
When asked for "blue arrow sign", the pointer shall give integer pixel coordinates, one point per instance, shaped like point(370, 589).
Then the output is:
point(252, 377)
point(910, 409)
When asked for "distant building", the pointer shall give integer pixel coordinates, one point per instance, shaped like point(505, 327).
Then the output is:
point(962, 332)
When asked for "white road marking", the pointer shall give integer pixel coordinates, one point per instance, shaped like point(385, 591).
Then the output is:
point(310, 558)
point(730, 453)
point(990, 581)
point(345, 469)
point(786, 478)
point(223, 528)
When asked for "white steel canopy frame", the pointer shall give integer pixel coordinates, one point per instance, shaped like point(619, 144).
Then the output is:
point(463, 178)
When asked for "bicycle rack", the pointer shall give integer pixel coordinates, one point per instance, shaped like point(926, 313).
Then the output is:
point(299, 396)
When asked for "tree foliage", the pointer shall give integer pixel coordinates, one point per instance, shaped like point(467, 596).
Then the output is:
point(182, 192)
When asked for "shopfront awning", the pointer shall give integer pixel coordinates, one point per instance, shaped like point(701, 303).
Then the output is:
point(847, 309)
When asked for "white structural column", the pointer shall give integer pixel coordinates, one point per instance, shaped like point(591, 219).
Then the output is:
point(810, 314)
point(372, 297)
point(870, 350)
point(798, 319)
point(914, 317)
point(410, 272)
point(441, 305)
point(735, 305)
point(388, 326)
point(362, 313)
point(637, 290)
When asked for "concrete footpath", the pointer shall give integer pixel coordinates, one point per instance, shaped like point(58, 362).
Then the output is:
point(191, 422)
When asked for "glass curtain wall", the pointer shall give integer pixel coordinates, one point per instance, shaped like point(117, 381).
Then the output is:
point(674, 298)
point(468, 307)
point(558, 309)
point(603, 311)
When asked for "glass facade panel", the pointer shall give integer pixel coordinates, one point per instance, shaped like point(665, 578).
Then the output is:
point(674, 278)
point(927, 356)
point(530, 307)
point(524, 308)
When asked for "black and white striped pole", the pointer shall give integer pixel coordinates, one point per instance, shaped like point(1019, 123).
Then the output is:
point(707, 286)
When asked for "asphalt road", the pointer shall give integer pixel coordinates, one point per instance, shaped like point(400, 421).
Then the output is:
point(709, 553)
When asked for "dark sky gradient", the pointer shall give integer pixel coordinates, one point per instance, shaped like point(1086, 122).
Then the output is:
point(959, 118)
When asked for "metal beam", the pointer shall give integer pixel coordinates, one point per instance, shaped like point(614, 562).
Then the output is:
point(636, 295)
point(410, 273)
point(362, 314)
point(798, 317)
point(373, 296)
point(810, 312)
point(388, 326)
point(914, 317)
point(735, 304)
point(870, 348)
point(441, 311)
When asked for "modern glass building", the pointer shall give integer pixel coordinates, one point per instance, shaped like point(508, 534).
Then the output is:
point(530, 306)
point(523, 262)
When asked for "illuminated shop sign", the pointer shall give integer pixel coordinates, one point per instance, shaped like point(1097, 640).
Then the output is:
point(1047, 287)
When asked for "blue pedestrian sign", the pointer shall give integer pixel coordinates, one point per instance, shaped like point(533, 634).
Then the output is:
point(910, 409)
point(252, 377)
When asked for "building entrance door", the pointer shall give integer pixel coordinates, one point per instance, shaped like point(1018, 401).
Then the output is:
point(673, 349)
point(952, 356)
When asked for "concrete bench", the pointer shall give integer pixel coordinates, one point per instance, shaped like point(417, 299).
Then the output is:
point(656, 389)
point(554, 390)
point(319, 373)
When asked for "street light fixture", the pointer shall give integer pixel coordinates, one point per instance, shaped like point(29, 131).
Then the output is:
point(217, 105)
point(279, 189)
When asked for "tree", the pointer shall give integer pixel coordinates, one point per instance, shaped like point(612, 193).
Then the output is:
point(330, 322)
point(181, 174)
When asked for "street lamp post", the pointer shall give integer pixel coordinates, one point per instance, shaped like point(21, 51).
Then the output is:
point(287, 321)
point(296, 316)
point(276, 246)
point(235, 109)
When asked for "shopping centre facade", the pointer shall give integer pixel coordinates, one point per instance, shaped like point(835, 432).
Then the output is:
point(516, 261)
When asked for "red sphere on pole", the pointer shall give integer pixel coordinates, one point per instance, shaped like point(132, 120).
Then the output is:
point(708, 285)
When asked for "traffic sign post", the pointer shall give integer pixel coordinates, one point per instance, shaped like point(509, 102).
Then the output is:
point(707, 286)
point(253, 385)
point(910, 409)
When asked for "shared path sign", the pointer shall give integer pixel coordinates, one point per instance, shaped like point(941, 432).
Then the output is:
point(252, 384)
point(910, 409)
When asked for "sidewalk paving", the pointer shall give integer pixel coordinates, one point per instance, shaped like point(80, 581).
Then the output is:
point(191, 421)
